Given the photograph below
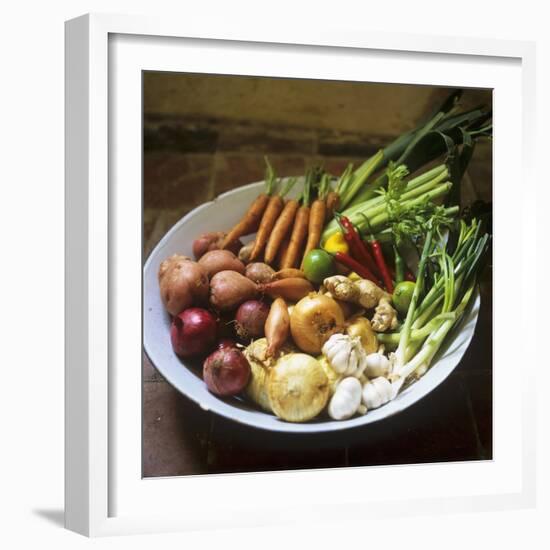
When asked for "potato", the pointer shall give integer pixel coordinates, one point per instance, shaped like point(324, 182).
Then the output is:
point(182, 283)
point(169, 263)
point(221, 260)
point(213, 241)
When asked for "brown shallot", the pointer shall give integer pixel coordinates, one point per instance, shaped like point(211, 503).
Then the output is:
point(291, 289)
point(277, 327)
point(259, 272)
point(221, 260)
point(229, 289)
point(287, 273)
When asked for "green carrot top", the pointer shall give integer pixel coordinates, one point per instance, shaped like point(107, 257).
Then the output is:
point(287, 186)
point(270, 177)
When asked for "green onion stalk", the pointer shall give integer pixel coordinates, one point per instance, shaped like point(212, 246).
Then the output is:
point(434, 342)
point(430, 318)
point(464, 262)
point(405, 335)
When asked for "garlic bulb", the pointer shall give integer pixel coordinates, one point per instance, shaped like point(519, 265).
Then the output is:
point(377, 365)
point(346, 400)
point(377, 392)
point(345, 354)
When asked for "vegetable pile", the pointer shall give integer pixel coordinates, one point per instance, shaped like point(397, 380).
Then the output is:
point(347, 292)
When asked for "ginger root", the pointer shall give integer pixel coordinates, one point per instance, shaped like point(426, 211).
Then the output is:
point(385, 317)
point(366, 294)
point(342, 288)
point(369, 293)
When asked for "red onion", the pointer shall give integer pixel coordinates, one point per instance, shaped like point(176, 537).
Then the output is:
point(227, 343)
point(193, 332)
point(226, 371)
point(250, 319)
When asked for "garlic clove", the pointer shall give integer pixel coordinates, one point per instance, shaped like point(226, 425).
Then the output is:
point(362, 365)
point(377, 392)
point(370, 397)
point(384, 388)
point(377, 365)
point(346, 399)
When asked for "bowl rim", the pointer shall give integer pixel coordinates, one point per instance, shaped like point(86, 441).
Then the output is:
point(219, 406)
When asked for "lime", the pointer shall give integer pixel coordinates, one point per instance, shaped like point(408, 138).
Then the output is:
point(318, 265)
point(402, 294)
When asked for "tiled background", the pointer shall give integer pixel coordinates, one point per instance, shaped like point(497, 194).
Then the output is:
point(199, 142)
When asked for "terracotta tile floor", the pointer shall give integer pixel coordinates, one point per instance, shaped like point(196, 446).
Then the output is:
point(184, 167)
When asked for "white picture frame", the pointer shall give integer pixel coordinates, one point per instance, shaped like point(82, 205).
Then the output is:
point(104, 493)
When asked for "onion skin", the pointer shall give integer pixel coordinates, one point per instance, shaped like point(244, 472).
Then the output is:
point(215, 261)
point(291, 289)
point(226, 343)
point(193, 332)
point(213, 241)
point(229, 289)
point(259, 272)
point(250, 319)
point(314, 319)
point(361, 326)
point(277, 327)
point(182, 283)
point(226, 372)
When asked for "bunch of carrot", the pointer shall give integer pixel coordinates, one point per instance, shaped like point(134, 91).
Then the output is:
point(286, 230)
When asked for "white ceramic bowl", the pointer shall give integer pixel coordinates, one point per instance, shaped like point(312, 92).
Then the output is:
point(221, 214)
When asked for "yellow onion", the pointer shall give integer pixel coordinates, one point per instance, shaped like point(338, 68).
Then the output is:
point(314, 319)
point(361, 326)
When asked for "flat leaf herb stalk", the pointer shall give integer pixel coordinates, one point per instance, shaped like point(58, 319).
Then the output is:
point(428, 186)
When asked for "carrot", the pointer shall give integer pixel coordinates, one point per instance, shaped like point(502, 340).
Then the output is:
point(281, 252)
point(281, 229)
point(333, 200)
point(271, 214)
point(250, 222)
point(297, 237)
point(299, 230)
point(316, 218)
point(315, 225)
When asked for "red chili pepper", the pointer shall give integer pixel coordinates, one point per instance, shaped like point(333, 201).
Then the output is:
point(354, 265)
point(380, 261)
point(357, 248)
